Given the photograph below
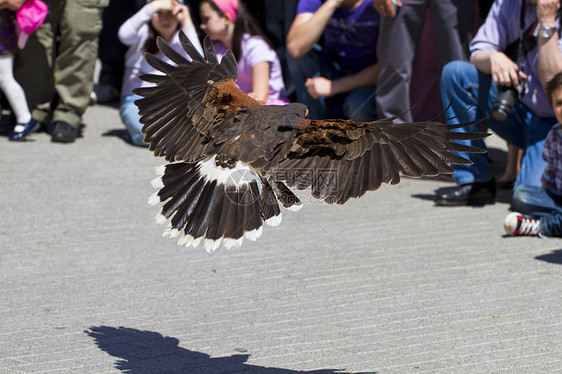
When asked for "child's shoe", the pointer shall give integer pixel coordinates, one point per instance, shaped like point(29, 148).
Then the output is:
point(22, 129)
point(518, 224)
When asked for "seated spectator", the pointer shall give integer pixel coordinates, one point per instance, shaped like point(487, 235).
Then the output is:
point(275, 19)
point(157, 18)
point(538, 210)
point(230, 26)
point(338, 78)
point(529, 119)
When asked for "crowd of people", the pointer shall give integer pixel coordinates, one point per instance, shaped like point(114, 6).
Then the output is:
point(351, 59)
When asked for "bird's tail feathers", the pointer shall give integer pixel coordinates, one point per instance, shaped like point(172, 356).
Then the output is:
point(206, 203)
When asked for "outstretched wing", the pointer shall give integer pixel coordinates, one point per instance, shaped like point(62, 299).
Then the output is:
point(188, 100)
point(341, 159)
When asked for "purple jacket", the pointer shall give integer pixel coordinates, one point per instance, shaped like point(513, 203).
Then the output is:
point(499, 30)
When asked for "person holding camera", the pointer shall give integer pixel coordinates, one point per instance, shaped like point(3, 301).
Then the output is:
point(516, 51)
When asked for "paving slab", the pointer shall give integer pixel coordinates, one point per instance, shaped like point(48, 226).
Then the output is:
point(387, 283)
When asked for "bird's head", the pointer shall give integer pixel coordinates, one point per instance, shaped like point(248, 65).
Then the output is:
point(299, 109)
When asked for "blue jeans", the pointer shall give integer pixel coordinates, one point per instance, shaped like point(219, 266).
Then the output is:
point(462, 83)
point(540, 203)
point(358, 104)
point(129, 114)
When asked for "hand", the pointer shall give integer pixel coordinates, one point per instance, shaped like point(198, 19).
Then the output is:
point(257, 97)
point(319, 87)
point(504, 71)
point(11, 4)
point(546, 12)
point(386, 8)
point(181, 12)
point(161, 5)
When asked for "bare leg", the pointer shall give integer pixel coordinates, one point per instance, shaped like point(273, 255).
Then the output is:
point(514, 156)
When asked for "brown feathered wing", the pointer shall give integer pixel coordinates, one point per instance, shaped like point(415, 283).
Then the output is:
point(234, 157)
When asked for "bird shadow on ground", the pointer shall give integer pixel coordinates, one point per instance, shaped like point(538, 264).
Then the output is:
point(554, 257)
point(141, 351)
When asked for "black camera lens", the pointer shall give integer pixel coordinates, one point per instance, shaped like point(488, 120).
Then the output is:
point(503, 104)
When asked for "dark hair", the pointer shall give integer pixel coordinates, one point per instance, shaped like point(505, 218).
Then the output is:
point(150, 44)
point(554, 84)
point(245, 24)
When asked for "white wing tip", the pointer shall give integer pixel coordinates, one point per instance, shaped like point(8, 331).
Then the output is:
point(275, 220)
point(254, 234)
point(160, 219)
point(154, 199)
point(157, 183)
point(172, 233)
point(185, 240)
point(295, 207)
point(212, 245)
point(232, 243)
point(160, 170)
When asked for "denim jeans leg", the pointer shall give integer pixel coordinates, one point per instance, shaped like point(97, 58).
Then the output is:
point(130, 117)
point(539, 203)
point(460, 86)
point(360, 104)
point(532, 200)
point(527, 131)
point(315, 63)
point(532, 164)
point(551, 224)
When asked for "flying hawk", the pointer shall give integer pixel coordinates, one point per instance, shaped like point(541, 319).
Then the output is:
point(232, 159)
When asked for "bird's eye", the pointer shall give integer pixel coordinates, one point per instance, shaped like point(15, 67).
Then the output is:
point(305, 112)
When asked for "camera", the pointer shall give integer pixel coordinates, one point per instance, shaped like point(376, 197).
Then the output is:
point(505, 100)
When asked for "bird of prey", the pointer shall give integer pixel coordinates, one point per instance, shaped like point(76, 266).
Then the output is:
point(231, 159)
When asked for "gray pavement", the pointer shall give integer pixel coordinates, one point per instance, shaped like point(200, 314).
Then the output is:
point(387, 283)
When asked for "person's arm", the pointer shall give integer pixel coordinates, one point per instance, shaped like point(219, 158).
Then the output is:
point(129, 31)
point(386, 7)
point(307, 28)
point(260, 81)
point(183, 15)
point(323, 87)
point(502, 69)
point(487, 48)
point(550, 58)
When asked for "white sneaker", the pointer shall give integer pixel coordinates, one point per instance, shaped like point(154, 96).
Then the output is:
point(518, 224)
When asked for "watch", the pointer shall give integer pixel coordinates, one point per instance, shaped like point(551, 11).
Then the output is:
point(546, 32)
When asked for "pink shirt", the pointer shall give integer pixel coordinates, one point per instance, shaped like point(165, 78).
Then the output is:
point(254, 51)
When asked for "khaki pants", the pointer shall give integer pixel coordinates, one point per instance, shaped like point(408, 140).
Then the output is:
point(59, 59)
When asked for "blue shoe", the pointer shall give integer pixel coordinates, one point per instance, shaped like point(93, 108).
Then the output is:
point(20, 135)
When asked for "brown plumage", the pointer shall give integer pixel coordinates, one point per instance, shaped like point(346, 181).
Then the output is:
point(232, 157)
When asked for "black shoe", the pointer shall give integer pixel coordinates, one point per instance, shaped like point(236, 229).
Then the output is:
point(467, 194)
point(27, 128)
point(63, 132)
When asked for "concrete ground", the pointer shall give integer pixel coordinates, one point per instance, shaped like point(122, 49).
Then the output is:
point(387, 283)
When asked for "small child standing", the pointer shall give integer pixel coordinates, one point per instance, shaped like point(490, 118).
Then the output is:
point(230, 26)
point(157, 18)
point(538, 210)
point(9, 86)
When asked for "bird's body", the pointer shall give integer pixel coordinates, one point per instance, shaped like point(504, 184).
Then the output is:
point(233, 158)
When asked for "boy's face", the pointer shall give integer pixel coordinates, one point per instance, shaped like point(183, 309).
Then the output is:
point(557, 103)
